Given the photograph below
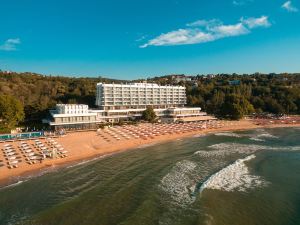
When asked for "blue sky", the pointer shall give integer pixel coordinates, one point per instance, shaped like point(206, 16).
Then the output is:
point(140, 38)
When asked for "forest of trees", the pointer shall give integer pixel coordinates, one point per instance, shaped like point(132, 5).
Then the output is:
point(11, 113)
point(39, 93)
point(218, 95)
point(269, 93)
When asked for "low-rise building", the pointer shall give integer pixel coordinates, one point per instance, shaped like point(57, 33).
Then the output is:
point(72, 116)
point(234, 82)
point(182, 78)
point(91, 118)
point(185, 115)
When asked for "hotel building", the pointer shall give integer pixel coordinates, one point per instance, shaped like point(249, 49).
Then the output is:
point(123, 102)
point(138, 96)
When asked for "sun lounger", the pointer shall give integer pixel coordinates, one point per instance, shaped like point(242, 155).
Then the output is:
point(31, 154)
point(12, 157)
point(13, 166)
point(8, 150)
point(13, 162)
point(28, 150)
point(10, 154)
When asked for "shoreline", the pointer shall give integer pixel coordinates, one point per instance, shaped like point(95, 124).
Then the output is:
point(86, 147)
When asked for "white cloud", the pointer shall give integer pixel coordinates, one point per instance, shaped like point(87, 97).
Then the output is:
point(289, 7)
point(241, 2)
point(229, 30)
point(10, 44)
point(180, 37)
point(204, 23)
point(202, 31)
point(141, 38)
point(256, 22)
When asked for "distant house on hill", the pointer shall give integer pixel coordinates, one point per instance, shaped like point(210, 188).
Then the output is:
point(6, 72)
point(209, 76)
point(234, 82)
point(181, 78)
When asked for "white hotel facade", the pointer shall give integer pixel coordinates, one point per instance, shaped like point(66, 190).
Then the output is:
point(123, 102)
point(139, 95)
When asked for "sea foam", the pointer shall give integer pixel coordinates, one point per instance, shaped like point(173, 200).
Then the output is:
point(235, 177)
point(83, 162)
point(238, 148)
point(178, 183)
point(225, 149)
point(257, 139)
point(13, 184)
point(214, 153)
point(266, 135)
point(248, 149)
point(228, 134)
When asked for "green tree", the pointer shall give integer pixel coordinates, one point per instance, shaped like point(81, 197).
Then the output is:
point(215, 103)
point(149, 114)
point(11, 112)
point(235, 107)
point(258, 104)
point(273, 106)
point(195, 101)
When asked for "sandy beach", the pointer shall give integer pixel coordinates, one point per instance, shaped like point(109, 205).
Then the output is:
point(79, 146)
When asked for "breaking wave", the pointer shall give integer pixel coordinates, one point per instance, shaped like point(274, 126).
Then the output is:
point(257, 139)
point(178, 183)
point(235, 177)
point(13, 184)
point(231, 148)
point(214, 153)
point(238, 148)
point(266, 135)
point(226, 149)
point(89, 160)
point(294, 148)
point(147, 145)
point(228, 134)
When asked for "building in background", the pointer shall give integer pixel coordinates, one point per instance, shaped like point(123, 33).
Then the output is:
point(182, 78)
point(234, 82)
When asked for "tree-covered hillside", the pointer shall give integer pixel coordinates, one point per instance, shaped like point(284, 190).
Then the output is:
point(38, 93)
point(272, 93)
point(224, 95)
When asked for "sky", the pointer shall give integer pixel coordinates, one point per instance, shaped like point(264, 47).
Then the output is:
point(129, 39)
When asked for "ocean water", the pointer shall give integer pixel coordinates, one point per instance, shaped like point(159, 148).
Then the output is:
point(229, 178)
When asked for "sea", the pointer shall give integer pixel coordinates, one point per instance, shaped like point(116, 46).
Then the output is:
point(227, 178)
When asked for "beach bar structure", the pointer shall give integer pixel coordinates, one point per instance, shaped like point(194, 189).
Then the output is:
point(72, 116)
point(173, 115)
